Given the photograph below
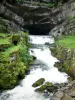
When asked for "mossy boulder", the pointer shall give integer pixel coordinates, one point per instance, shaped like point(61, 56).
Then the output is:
point(48, 87)
point(49, 84)
point(38, 82)
point(41, 89)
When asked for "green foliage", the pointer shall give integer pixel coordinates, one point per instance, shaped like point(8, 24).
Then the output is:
point(15, 39)
point(65, 52)
point(13, 60)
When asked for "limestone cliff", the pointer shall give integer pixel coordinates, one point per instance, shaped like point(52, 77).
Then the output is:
point(37, 17)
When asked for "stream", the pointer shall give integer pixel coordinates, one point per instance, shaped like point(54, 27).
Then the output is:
point(43, 67)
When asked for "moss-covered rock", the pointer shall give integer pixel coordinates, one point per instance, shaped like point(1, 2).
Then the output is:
point(49, 84)
point(48, 87)
point(44, 87)
point(41, 89)
point(38, 82)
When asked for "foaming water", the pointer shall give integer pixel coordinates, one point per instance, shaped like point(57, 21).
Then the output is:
point(41, 39)
point(25, 91)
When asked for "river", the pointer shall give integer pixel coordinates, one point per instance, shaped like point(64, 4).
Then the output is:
point(43, 67)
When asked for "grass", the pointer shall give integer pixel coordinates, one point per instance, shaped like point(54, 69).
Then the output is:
point(67, 41)
point(2, 35)
point(4, 41)
point(11, 50)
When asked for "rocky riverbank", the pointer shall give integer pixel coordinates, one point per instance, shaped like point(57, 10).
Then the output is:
point(65, 93)
point(66, 57)
point(64, 50)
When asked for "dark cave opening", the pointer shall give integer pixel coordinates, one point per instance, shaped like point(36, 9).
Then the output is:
point(39, 29)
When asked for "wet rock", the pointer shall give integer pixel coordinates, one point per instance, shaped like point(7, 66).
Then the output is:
point(67, 98)
point(55, 98)
point(41, 89)
point(72, 94)
point(49, 84)
point(47, 87)
point(46, 43)
point(67, 92)
point(38, 82)
point(34, 58)
point(59, 94)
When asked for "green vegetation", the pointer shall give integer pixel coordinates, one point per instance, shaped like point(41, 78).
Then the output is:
point(48, 86)
point(64, 50)
point(67, 42)
point(14, 58)
point(4, 41)
point(39, 82)
point(41, 89)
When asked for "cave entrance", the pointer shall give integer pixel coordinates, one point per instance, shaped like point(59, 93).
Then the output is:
point(39, 29)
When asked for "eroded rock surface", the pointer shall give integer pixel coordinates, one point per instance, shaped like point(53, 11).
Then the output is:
point(65, 93)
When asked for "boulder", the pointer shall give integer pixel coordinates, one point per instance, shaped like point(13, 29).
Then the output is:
point(38, 82)
point(41, 89)
point(67, 98)
point(34, 58)
point(48, 87)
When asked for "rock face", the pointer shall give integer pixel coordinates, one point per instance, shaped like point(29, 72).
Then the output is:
point(35, 17)
point(65, 93)
point(67, 14)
